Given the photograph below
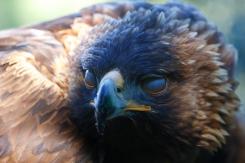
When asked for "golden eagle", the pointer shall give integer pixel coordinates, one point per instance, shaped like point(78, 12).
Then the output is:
point(120, 83)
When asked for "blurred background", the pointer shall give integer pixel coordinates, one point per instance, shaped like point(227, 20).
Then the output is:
point(228, 15)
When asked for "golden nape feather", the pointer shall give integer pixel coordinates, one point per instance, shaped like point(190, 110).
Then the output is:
point(120, 82)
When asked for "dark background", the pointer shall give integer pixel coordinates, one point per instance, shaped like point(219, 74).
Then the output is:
point(228, 15)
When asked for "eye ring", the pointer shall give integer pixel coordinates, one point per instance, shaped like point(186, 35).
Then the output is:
point(90, 79)
point(154, 84)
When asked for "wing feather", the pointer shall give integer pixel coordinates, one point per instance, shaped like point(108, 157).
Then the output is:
point(34, 70)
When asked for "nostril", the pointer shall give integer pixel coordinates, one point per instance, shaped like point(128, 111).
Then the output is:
point(119, 90)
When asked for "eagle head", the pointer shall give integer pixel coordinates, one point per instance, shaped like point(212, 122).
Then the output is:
point(159, 79)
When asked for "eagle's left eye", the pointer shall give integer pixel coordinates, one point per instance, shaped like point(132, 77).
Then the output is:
point(90, 79)
point(154, 85)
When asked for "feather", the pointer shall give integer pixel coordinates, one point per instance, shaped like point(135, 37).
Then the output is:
point(29, 91)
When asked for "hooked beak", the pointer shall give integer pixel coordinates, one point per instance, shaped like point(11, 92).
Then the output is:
point(109, 101)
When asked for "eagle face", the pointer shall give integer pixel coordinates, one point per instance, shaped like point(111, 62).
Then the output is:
point(131, 70)
point(155, 75)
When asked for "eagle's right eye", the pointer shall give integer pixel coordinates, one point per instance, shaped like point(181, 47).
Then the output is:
point(89, 79)
point(154, 85)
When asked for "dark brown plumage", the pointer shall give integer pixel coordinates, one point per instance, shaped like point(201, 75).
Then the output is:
point(41, 81)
